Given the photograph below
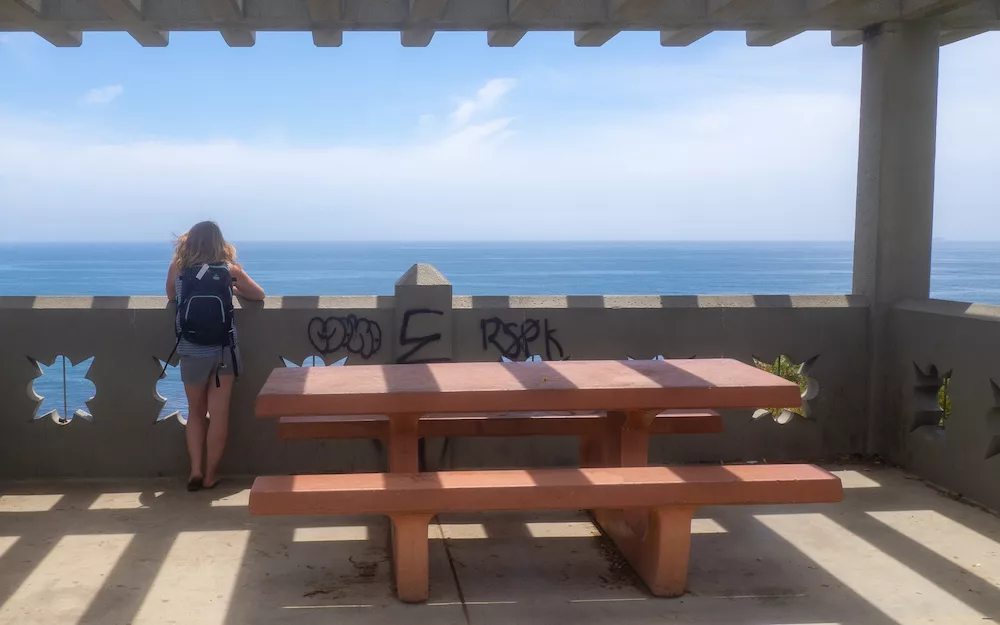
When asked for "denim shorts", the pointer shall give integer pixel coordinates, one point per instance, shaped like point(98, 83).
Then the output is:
point(199, 370)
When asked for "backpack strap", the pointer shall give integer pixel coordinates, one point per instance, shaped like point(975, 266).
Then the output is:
point(236, 364)
point(232, 344)
point(163, 372)
point(218, 382)
point(184, 278)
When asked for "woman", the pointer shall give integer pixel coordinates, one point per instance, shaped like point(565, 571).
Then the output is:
point(208, 366)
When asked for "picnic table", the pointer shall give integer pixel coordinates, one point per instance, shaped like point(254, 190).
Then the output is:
point(646, 510)
point(630, 392)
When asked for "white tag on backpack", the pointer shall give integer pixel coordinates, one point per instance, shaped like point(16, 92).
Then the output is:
point(202, 272)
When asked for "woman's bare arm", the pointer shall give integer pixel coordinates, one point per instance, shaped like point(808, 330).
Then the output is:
point(172, 282)
point(244, 286)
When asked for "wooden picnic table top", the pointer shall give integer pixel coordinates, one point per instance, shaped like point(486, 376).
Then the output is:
point(522, 387)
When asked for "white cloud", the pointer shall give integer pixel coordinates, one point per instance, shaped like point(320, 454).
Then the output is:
point(756, 147)
point(756, 167)
point(100, 96)
point(486, 98)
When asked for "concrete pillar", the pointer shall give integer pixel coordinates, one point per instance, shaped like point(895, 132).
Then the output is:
point(892, 240)
point(893, 227)
point(424, 334)
point(423, 317)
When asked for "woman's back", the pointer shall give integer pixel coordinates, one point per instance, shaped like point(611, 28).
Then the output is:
point(203, 278)
point(184, 346)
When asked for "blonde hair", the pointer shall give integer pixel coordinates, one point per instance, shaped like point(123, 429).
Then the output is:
point(202, 244)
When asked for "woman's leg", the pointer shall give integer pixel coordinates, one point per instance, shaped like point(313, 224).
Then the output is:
point(218, 426)
point(197, 396)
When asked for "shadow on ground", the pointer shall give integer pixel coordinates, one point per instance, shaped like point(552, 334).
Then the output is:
point(894, 552)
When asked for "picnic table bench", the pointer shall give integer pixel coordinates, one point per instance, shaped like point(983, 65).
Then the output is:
point(646, 510)
point(590, 427)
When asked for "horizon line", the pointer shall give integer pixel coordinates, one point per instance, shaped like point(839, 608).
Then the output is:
point(470, 241)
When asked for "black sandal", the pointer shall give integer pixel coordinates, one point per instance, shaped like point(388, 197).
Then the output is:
point(194, 484)
point(214, 484)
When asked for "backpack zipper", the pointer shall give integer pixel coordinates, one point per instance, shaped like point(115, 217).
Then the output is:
point(222, 308)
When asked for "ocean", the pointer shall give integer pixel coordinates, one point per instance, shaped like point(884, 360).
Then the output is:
point(960, 271)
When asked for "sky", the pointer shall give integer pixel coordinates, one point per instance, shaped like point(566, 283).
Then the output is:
point(459, 141)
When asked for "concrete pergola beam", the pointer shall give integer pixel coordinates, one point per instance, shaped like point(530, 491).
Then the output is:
point(846, 38)
point(416, 38)
point(683, 37)
point(920, 9)
point(593, 22)
point(29, 13)
point(949, 37)
point(757, 38)
point(428, 10)
point(815, 10)
point(129, 14)
point(594, 38)
point(230, 12)
point(504, 38)
point(325, 15)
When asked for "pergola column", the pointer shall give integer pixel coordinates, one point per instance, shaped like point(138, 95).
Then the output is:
point(895, 204)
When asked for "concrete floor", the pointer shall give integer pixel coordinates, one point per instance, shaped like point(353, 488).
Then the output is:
point(895, 552)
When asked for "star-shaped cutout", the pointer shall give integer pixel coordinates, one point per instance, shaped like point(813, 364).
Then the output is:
point(929, 403)
point(170, 393)
point(532, 358)
point(63, 390)
point(314, 361)
point(993, 424)
point(785, 367)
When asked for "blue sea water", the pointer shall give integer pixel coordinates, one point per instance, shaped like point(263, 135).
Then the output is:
point(961, 271)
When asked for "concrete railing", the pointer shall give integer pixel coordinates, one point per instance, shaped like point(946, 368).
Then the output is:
point(128, 336)
point(929, 342)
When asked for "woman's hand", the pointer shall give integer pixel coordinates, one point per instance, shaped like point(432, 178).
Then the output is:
point(244, 286)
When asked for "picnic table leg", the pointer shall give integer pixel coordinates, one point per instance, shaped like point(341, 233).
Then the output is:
point(404, 443)
point(593, 449)
point(410, 556)
point(623, 441)
point(628, 437)
point(660, 555)
point(627, 445)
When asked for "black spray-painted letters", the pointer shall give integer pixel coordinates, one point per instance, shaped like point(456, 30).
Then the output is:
point(417, 343)
point(516, 340)
point(357, 335)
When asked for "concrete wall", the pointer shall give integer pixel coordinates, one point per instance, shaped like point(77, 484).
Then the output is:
point(127, 336)
point(683, 327)
point(963, 339)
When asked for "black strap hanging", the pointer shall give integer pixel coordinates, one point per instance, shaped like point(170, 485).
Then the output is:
point(166, 363)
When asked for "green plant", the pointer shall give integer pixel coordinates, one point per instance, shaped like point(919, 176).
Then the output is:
point(784, 367)
point(944, 400)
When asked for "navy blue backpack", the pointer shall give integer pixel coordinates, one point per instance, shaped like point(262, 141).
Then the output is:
point(205, 310)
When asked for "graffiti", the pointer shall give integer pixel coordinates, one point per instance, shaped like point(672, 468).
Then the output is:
point(417, 343)
point(357, 335)
point(515, 341)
